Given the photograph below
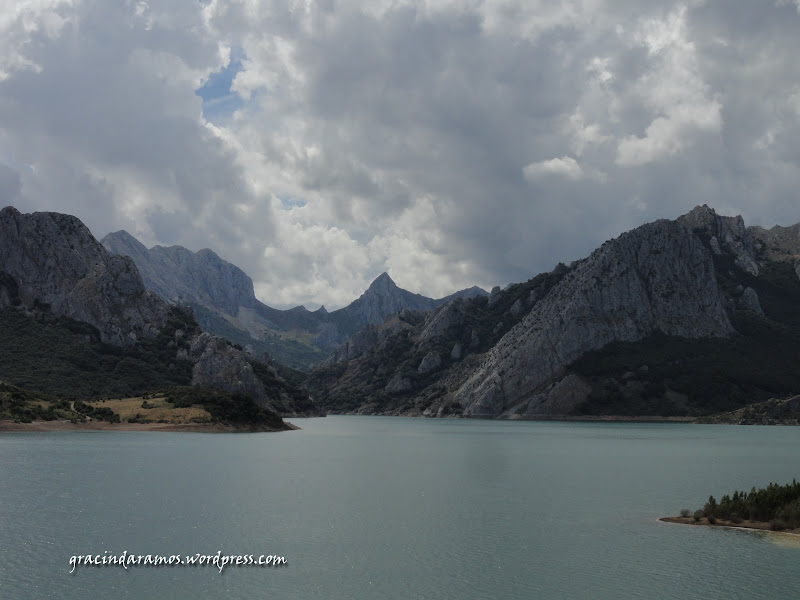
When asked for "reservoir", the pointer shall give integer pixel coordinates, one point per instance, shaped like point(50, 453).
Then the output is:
point(396, 508)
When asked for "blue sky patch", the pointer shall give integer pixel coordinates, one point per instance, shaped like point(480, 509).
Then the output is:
point(290, 201)
point(219, 102)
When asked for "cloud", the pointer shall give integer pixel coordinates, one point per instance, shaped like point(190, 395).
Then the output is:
point(566, 167)
point(449, 142)
point(10, 185)
point(673, 90)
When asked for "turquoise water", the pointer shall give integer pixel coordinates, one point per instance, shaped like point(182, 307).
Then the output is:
point(372, 507)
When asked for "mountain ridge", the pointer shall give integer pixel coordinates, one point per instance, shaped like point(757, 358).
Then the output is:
point(676, 318)
point(296, 336)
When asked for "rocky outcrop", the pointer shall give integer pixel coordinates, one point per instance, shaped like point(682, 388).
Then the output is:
point(431, 362)
point(778, 243)
point(749, 301)
point(56, 263)
point(444, 319)
point(398, 384)
point(366, 339)
point(218, 364)
point(562, 399)
point(658, 277)
point(725, 234)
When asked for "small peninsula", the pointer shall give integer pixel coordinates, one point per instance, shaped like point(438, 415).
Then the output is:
point(775, 507)
point(177, 408)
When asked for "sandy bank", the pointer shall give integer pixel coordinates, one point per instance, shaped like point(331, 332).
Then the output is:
point(754, 525)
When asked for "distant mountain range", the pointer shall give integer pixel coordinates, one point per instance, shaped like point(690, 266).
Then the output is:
point(687, 317)
point(222, 298)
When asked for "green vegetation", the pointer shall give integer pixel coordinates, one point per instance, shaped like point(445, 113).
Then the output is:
point(99, 413)
point(777, 504)
point(234, 409)
point(23, 406)
point(62, 357)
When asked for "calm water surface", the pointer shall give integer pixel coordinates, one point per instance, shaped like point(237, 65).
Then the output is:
point(371, 507)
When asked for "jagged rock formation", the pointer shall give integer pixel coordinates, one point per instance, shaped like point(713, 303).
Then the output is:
point(431, 362)
point(54, 261)
point(180, 275)
point(222, 297)
point(728, 233)
point(656, 277)
point(749, 301)
point(778, 243)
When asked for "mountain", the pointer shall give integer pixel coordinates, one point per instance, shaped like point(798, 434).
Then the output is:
point(53, 261)
point(221, 296)
point(70, 311)
point(179, 275)
point(688, 317)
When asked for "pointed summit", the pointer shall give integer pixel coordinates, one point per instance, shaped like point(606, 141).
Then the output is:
point(383, 284)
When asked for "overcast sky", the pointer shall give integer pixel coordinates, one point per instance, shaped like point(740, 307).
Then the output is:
point(450, 143)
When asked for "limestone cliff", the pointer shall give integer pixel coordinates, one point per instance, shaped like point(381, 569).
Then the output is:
point(658, 277)
point(55, 262)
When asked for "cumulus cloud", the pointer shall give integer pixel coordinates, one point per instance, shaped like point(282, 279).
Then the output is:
point(450, 143)
point(566, 167)
point(673, 90)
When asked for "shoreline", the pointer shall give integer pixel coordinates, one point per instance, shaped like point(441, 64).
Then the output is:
point(45, 426)
point(555, 418)
point(747, 525)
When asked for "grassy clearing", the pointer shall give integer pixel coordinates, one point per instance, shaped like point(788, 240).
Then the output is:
point(158, 410)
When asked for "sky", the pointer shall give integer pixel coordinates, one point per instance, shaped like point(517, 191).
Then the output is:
point(448, 143)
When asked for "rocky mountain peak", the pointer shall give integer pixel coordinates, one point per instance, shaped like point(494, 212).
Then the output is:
point(726, 234)
point(382, 284)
